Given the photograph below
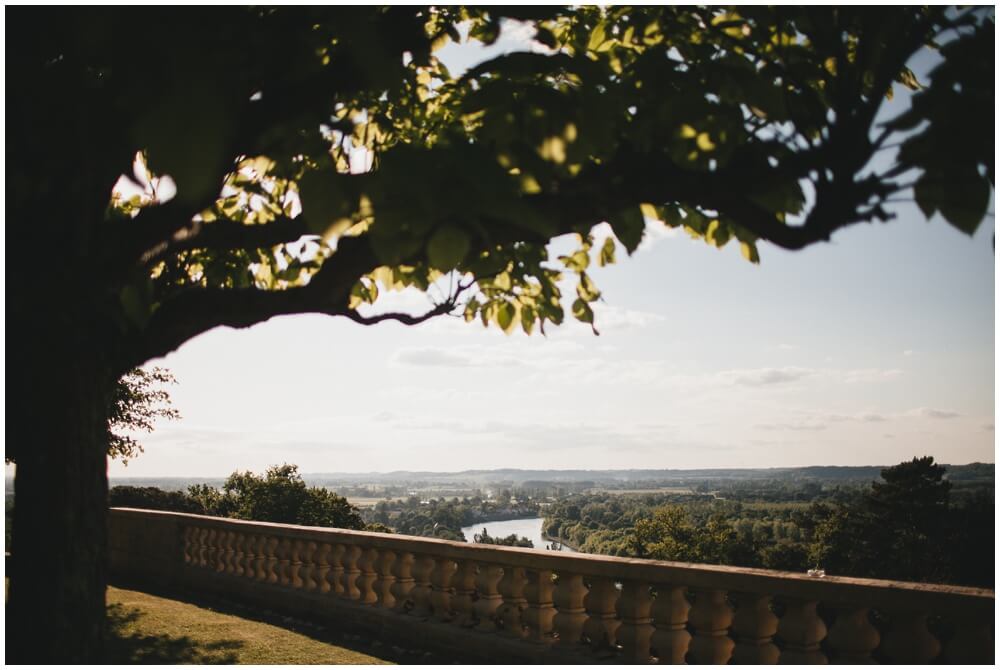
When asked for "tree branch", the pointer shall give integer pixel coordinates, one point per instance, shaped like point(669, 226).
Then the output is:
point(198, 309)
point(400, 317)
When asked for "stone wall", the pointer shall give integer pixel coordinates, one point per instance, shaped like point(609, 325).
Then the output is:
point(504, 604)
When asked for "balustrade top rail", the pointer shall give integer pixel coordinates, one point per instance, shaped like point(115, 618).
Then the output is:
point(876, 593)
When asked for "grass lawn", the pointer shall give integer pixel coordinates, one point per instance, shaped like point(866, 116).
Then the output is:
point(149, 629)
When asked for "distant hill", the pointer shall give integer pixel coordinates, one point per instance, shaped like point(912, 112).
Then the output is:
point(972, 473)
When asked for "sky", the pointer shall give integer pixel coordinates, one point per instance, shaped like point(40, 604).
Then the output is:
point(868, 350)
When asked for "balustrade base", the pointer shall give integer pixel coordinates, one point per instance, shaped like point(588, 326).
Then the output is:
point(371, 623)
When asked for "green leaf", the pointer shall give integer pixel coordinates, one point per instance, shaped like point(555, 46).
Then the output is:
point(471, 308)
point(629, 226)
point(587, 289)
point(909, 80)
point(324, 205)
point(502, 281)
point(447, 247)
point(583, 312)
point(578, 262)
point(597, 37)
point(966, 201)
point(607, 256)
point(749, 251)
point(505, 316)
point(527, 319)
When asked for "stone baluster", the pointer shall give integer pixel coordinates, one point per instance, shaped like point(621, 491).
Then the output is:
point(249, 555)
point(908, 641)
point(199, 538)
point(212, 548)
point(335, 577)
point(321, 560)
point(239, 554)
point(260, 559)
point(671, 639)
point(217, 549)
point(384, 583)
point(710, 617)
point(402, 569)
point(754, 626)
point(802, 630)
point(464, 585)
point(490, 601)
point(284, 562)
point(636, 629)
point(972, 643)
point(217, 538)
point(307, 573)
point(602, 618)
point(570, 613)
point(189, 545)
point(539, 613)
point(512, 589)
point(228, 557)
point(197, 547)
point(235, 554)
point(271, 569)
point(352, 553)
point(366, 580)
point(853, 638)
point(420, 594)
point(441, 588)
point(295, 564)
point(210, 552)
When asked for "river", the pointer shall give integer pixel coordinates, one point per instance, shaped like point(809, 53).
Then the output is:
point(529, 528)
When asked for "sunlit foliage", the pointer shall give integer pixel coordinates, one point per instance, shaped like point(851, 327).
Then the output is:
point(344, 135)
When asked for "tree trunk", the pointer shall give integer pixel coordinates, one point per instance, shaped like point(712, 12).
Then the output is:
point(58, 576)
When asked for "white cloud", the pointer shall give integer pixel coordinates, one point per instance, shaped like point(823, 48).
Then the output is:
point(791, 426)
point(766, 376)
point(865, 417)
point(609, 318)
point(431, 357)
point(932, 413)
point(909, 352)
point(865, 375)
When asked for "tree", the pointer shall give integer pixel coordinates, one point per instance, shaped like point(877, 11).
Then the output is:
point(901, 529)
point(150, 497)
point(511, 540)
point(750, 125)
point(138, 400)
point(669, 535)
point(278, 496)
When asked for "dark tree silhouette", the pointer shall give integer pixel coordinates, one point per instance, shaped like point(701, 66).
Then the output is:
point(749, 125)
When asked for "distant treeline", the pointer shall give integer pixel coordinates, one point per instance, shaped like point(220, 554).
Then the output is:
point(279, 496)
point(910, 524)
point(444, 518)
point(562, 482)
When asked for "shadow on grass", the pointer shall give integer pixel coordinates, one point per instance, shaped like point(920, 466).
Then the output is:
point(316, 630)
point(135, 648)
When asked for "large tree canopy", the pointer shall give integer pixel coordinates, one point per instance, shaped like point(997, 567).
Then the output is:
point(298, 160)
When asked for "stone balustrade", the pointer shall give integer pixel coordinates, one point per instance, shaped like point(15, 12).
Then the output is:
point(505, 604)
